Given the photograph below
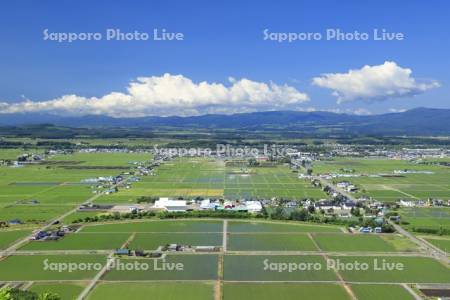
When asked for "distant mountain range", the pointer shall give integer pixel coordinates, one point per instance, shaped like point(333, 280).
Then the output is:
point(419, 121)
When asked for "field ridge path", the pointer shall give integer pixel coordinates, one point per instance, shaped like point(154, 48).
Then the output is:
point(110, 260)
point(224, 235)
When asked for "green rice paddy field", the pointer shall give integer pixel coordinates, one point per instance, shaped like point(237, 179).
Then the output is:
point(9, 236)
point(81, 241)
point(211, 178)
point(441, 243)
point(381, 291)
point(330, 242)
point(293, 291)
point(55, 184)
point(194, 267)
point(214, 226)
point(270, 242)
point(432, 218)
point(253, 226)
point(260, 236)
point(352, 242)
point(151, 241)
point(154, 291)
point(203, 268)
point(285, 291)
point(33, 267)
point(258, 268)
point(413, 270)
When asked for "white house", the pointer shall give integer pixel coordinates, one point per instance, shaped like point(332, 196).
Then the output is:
point(351, 188)
point(407, 203)
point(207, 205)
point(343, 184)
point(253, 206)
point(171, 205)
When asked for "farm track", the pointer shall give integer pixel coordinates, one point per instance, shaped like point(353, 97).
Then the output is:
point(325, 256)
point(224, 235)
point(431, 250)
point(110, 261)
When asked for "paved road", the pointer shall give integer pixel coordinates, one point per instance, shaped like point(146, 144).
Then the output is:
point(430, 249)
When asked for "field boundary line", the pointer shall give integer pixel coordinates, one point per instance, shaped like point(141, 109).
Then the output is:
point(279, 233)
point(345, 285)
point(314, 242)
point(86, 281)
point(218, 293)
point(329, 253)
point(126, 244)
point(224, 235)
point(109, 261)
point(433, 246)
point(400, 191)
point(27, 285)
point(151, 232)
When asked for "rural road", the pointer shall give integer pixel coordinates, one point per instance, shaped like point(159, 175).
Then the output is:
point(432, 250)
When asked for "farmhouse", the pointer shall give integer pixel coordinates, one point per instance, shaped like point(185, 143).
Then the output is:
point(326, 205)
point(171, 205)
point(407, 203)
point(253, 206)
point(349, 204)
point(206, 204)
point(343, 184)
point(351, 188)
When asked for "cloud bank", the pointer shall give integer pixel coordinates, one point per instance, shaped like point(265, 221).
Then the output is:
point(373, 83)
point(171, 95)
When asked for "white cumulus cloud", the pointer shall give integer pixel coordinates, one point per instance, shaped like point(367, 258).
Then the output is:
point(171, 95)
point(373, 83)
point(397, 110)
point(357, 111)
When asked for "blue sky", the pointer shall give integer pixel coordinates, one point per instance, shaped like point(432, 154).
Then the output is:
point(221, 40)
